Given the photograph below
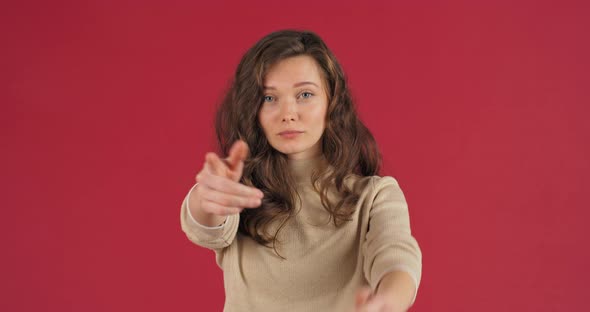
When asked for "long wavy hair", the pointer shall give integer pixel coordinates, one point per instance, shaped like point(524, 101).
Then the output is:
point(347, 145)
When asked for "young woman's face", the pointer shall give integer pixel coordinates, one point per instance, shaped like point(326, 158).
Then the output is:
point(294, 108)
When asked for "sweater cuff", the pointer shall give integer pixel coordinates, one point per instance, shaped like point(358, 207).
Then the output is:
point(211, 237)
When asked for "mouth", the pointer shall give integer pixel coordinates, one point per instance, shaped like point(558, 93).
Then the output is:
point(290, 134)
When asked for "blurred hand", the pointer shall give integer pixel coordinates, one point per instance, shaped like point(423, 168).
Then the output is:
point(219, 191)
point(368, 302)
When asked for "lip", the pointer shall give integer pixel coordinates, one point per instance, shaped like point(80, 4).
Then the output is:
point(290, 132)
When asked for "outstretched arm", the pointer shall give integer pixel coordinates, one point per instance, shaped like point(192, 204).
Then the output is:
point(395, 293)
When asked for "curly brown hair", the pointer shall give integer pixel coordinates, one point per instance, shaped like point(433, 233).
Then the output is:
point(347, 144)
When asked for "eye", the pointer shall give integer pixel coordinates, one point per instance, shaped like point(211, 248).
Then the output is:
point(306, 95)
point(268, 98)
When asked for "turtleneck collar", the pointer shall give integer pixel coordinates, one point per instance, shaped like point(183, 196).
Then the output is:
point(302, 169)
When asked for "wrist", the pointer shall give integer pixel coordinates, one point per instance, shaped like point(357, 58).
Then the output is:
point(398, 289)
point(199, 216)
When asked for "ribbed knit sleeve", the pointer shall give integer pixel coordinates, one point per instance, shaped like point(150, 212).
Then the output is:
point(389, 244)
point(214, 238)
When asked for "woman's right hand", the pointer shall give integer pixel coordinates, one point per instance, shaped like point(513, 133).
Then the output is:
point(219, 192)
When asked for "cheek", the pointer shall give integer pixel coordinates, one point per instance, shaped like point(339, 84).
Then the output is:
point(318, 115)
point(265, 125)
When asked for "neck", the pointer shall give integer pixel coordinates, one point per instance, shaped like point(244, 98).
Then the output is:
point(302, 169)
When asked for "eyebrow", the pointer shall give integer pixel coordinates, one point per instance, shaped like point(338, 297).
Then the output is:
point(299, 84)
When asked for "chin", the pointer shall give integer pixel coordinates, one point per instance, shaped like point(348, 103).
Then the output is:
point(288, 151)
point(289, 148)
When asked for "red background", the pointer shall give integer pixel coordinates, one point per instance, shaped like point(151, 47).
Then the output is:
point(480, 110)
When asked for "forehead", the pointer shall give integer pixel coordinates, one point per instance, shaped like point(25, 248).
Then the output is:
point(292, 70)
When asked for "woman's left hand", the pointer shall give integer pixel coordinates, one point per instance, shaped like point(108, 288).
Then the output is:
point(368, 302)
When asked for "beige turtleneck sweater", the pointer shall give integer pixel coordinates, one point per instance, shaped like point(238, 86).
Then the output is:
point(324, 265)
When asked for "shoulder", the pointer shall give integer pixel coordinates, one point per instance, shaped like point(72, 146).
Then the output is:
point(385, 191)
point(376, 183)
point(385, 181)
point(373, 186)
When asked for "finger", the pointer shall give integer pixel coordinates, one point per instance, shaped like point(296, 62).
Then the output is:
point(217, 165)
point(229, 200)
point(362, 296)
point(236, 173)
point(217, 209)
point(206, 170)
point(226, 185)
point(237, 153)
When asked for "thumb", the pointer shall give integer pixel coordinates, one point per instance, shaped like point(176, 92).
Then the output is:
point(236, 172)
point(237, 153)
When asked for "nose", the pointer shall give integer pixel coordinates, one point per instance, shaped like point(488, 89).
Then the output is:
point(289, 111)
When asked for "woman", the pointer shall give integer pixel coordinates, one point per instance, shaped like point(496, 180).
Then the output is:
point(296, 214)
